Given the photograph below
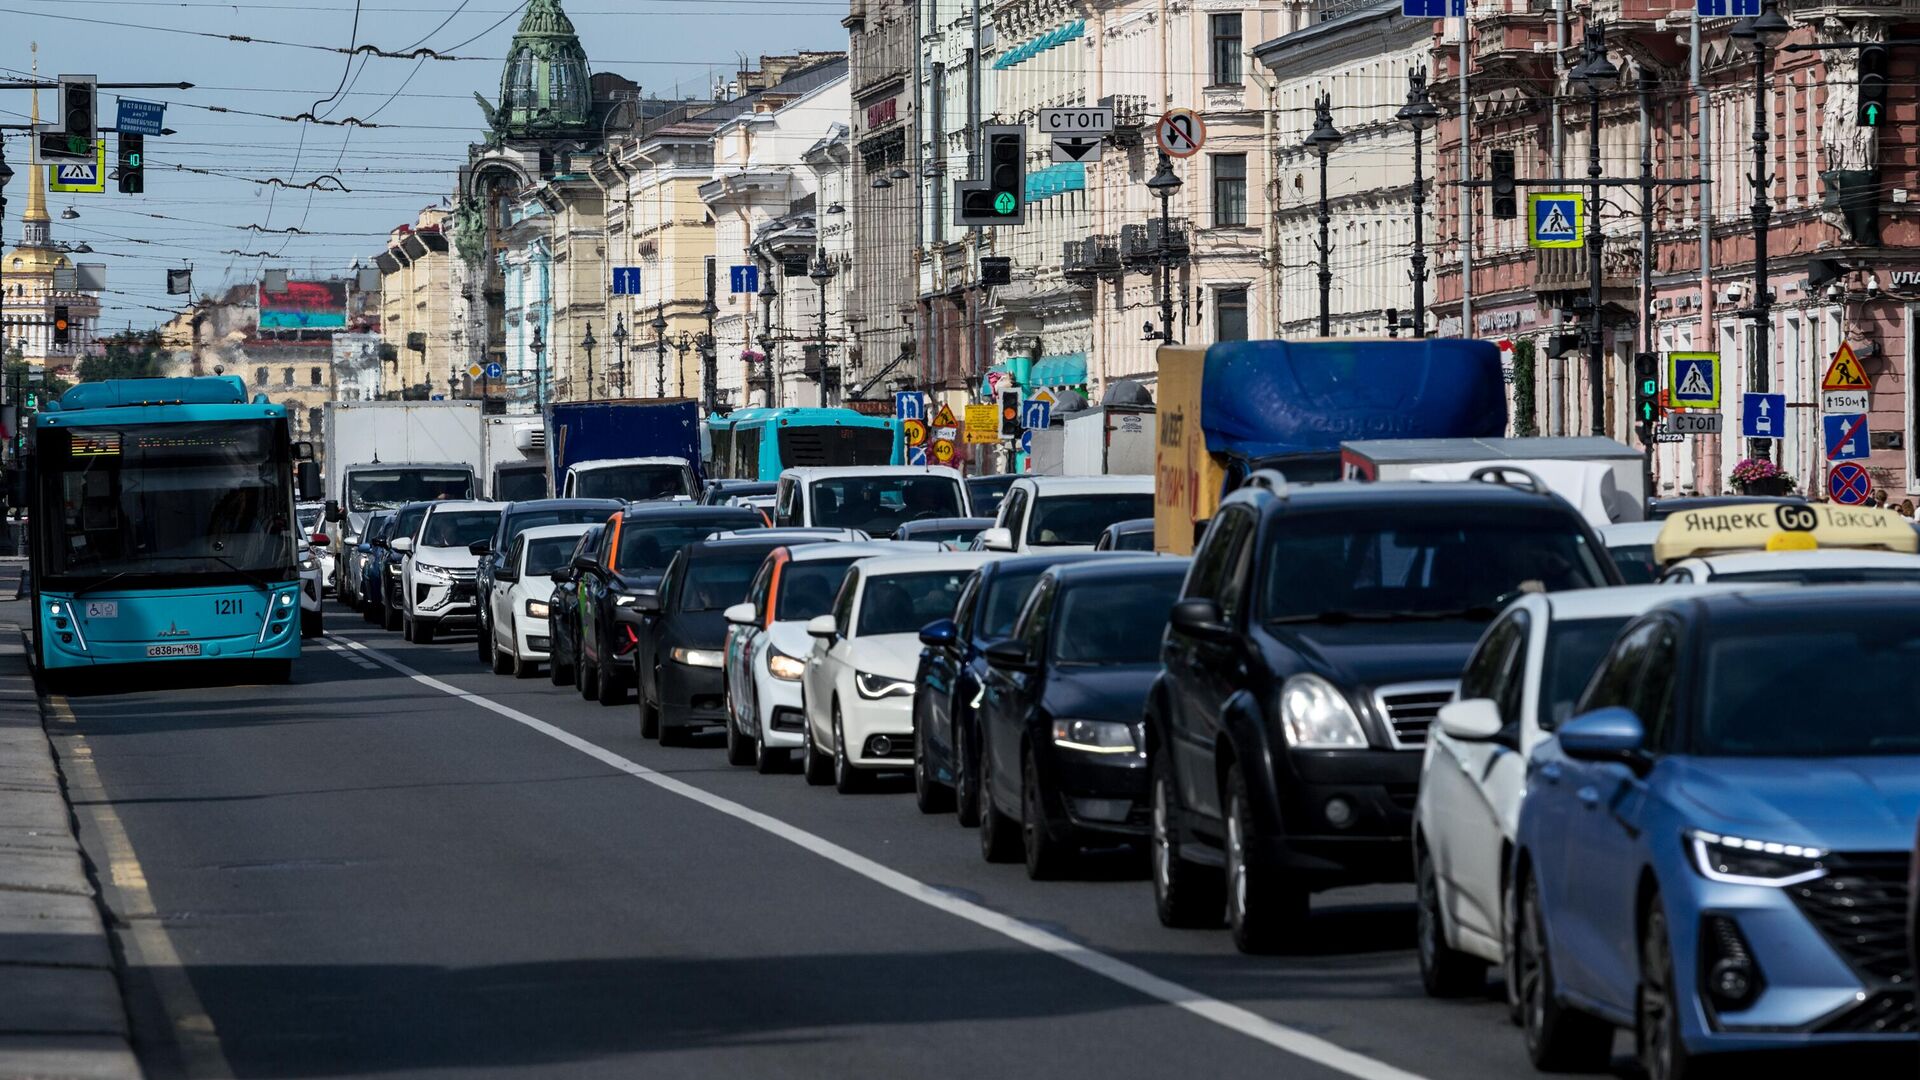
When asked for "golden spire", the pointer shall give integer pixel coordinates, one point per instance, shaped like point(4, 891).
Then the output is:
point(36, 210)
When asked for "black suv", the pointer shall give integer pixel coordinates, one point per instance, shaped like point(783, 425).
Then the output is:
point(1319, 631)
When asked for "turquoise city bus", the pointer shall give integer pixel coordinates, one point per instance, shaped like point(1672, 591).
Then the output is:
point(756, 444)
point(163, 527)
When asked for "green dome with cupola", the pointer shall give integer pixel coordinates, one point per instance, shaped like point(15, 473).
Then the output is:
point(544, 88)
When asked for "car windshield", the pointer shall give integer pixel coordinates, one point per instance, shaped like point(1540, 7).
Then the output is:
point(1080, 519)
point(545, 554)
point(1635, 562)
point(1141, 540)
point(987, 491)
point(1574, 649)
point(648, 545)
point(717, 580)
point(406, 521)
point(1114, 622)
point(1006, 595)
point(309, 519)
point(1831, 575)
point(385, 489)
point(946, 534)
point(572, 515)
point(376, 526)
point(1392, 562)
point(514, 485)
point(1770, 692)
point(634, 483)
point(807, 588)
point(458, 528)
point(880, 504)
point(903, 603)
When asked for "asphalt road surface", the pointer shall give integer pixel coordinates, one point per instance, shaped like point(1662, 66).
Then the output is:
point(404, 865)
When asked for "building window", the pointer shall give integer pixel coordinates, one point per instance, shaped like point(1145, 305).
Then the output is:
point(286, 377)
point(1229, 189)
point(313, 376)
point(313, 421)
point(260, 376)
point(1226, 50)
point(1230, 315)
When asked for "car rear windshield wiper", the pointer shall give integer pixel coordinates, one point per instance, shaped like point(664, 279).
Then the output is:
point(1336, 617)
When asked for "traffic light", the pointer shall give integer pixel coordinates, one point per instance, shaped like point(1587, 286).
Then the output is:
point(77, 97)
point(62, 327)
point(1506, 205)
point(1000, 198)
point(1646, 388)
point(133, 161)
point(1873, 85)
point(996, 270)
point(1009, 414)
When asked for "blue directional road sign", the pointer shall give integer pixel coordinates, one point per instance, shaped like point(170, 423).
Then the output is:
point(495, 371)
point(1035, 413)
point(1714, 9)
point(1433, 9)
point(1846, 436)
point(909, 405)
point(1026, 440)
point(744, 279)
point(626, 281)
point(916, 455)
point(1763, 416)
point(140, 117)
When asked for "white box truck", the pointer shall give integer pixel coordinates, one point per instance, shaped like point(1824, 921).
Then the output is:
point(1109, 440)
point(381, 454)
point(516, 451)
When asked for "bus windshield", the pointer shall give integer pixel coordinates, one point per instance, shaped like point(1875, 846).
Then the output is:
point(634, 483)
point(189, 498)
point(385, 489)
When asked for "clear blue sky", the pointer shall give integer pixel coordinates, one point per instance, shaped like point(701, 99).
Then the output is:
point(664, 45)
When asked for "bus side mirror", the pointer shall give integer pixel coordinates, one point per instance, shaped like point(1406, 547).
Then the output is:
point(303, 451)
point(306, 478)
point(333, 511)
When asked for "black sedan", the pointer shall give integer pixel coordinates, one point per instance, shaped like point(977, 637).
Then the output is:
point(681, 628)
point(563, 607)
point(1063, 746)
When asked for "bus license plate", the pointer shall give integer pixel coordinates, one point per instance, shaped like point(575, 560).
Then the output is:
point(190, 648)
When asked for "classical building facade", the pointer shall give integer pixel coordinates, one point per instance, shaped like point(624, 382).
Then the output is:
point(421, 308)
point(878, 217)
point(38, 281)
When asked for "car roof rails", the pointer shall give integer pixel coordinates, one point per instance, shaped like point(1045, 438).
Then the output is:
point(1267, 480)
point(1511, 476)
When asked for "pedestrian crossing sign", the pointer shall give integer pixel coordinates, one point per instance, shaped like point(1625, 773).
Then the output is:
point(1693, 380)
point(1556, 220)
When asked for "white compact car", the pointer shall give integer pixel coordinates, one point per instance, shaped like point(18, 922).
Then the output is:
point(523, 588)
point(437, 578)
point(767, 642)
point(857, 687)
point(1832, 566)
point(1521, 682)
point(1065, 513)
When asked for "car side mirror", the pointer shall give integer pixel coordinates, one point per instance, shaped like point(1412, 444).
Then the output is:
point(996, 540)
point(1471, 720)
point(1011, 655)
point(479, 547)
point(939, 633)
point(333, 511)
point(378, 542)
point(560, 576)
point(582, 563)
point(1610, 734)
point(741, 614)
point(320, 539)
point(1201, 618)
point(647, 602)
point(401, 544)
point(506, 573)
point(823, 627)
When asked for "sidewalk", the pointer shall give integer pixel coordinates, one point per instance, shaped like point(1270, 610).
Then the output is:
point(61, 1012)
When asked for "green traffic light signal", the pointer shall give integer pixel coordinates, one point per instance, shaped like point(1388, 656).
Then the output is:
point(1005, 203)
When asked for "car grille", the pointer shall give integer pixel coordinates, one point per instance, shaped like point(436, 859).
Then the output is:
point(1409, 709)
point(462, 592)
point(460, 573)
point(1860, 907)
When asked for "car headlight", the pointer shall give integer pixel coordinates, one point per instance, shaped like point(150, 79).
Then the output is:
point(1094, 736)
point(1738, 861)
point(536, 609)
point(699, 657)
point(1315, 715)
point(421, 569)
point(394, 569)
point(624, 599)
point(875, 687)
point(782, 666)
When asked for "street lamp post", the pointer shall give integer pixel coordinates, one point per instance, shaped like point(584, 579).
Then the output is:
point(1763, 31)
point(538, 346)
point(821, 272)
point(588, 343)
point(768, 294)
point(709, 358)
point(659, 326)
point(1419, 114)
point(680, 379)
point(1323, 140)
point(1162, 185)
point(1599, 74)
point(619, 373)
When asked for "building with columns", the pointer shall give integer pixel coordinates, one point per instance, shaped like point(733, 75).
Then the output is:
point(38, 281)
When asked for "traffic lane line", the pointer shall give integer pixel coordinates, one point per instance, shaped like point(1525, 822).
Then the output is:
point(1232, 1017)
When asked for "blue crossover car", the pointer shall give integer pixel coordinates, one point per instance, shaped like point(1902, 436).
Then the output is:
point(1713, 852)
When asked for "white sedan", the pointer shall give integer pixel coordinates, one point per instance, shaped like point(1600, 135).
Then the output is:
point(858, 683)
point(767, 642)
point(1521, 682)
point(517, 614)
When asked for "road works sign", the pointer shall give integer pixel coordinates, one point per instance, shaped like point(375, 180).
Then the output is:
point(1845, 372)
point(1693, 380)
point(1555, 220)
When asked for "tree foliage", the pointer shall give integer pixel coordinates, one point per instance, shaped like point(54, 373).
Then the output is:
point(129, 355)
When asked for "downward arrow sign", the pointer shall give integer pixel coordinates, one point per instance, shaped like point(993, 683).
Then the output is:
point(1075, 149)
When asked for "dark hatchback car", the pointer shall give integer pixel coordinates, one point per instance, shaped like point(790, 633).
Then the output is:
point(957, 531)
point(951, 673)
point(631, 557)
point(680, 659)
point(516, 518)
point(1062, 747)
point(366, 591)
point(1133, 534)
point(1319, 632)
point(386, 565)
point(717, 492)
point(563, 608)
point(985, 492)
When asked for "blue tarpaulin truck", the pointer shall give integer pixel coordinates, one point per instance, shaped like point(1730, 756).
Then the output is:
point(1228, 409)
point(633, 450)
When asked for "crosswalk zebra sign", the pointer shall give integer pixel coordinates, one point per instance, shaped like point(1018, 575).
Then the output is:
point(80, 177)
point(1556, 220)
point(1693, 380)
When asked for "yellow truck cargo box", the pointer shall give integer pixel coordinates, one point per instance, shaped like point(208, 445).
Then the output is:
point(1186, 479)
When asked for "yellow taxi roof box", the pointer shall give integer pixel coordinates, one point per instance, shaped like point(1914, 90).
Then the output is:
point(1718, 530)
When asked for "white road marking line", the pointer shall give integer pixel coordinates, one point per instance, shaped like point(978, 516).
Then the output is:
point(1233, 1017)
point(143, 936)
point(352, 657)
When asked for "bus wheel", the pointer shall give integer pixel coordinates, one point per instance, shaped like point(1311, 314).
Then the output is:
point(310, 624)
point(276, 671)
